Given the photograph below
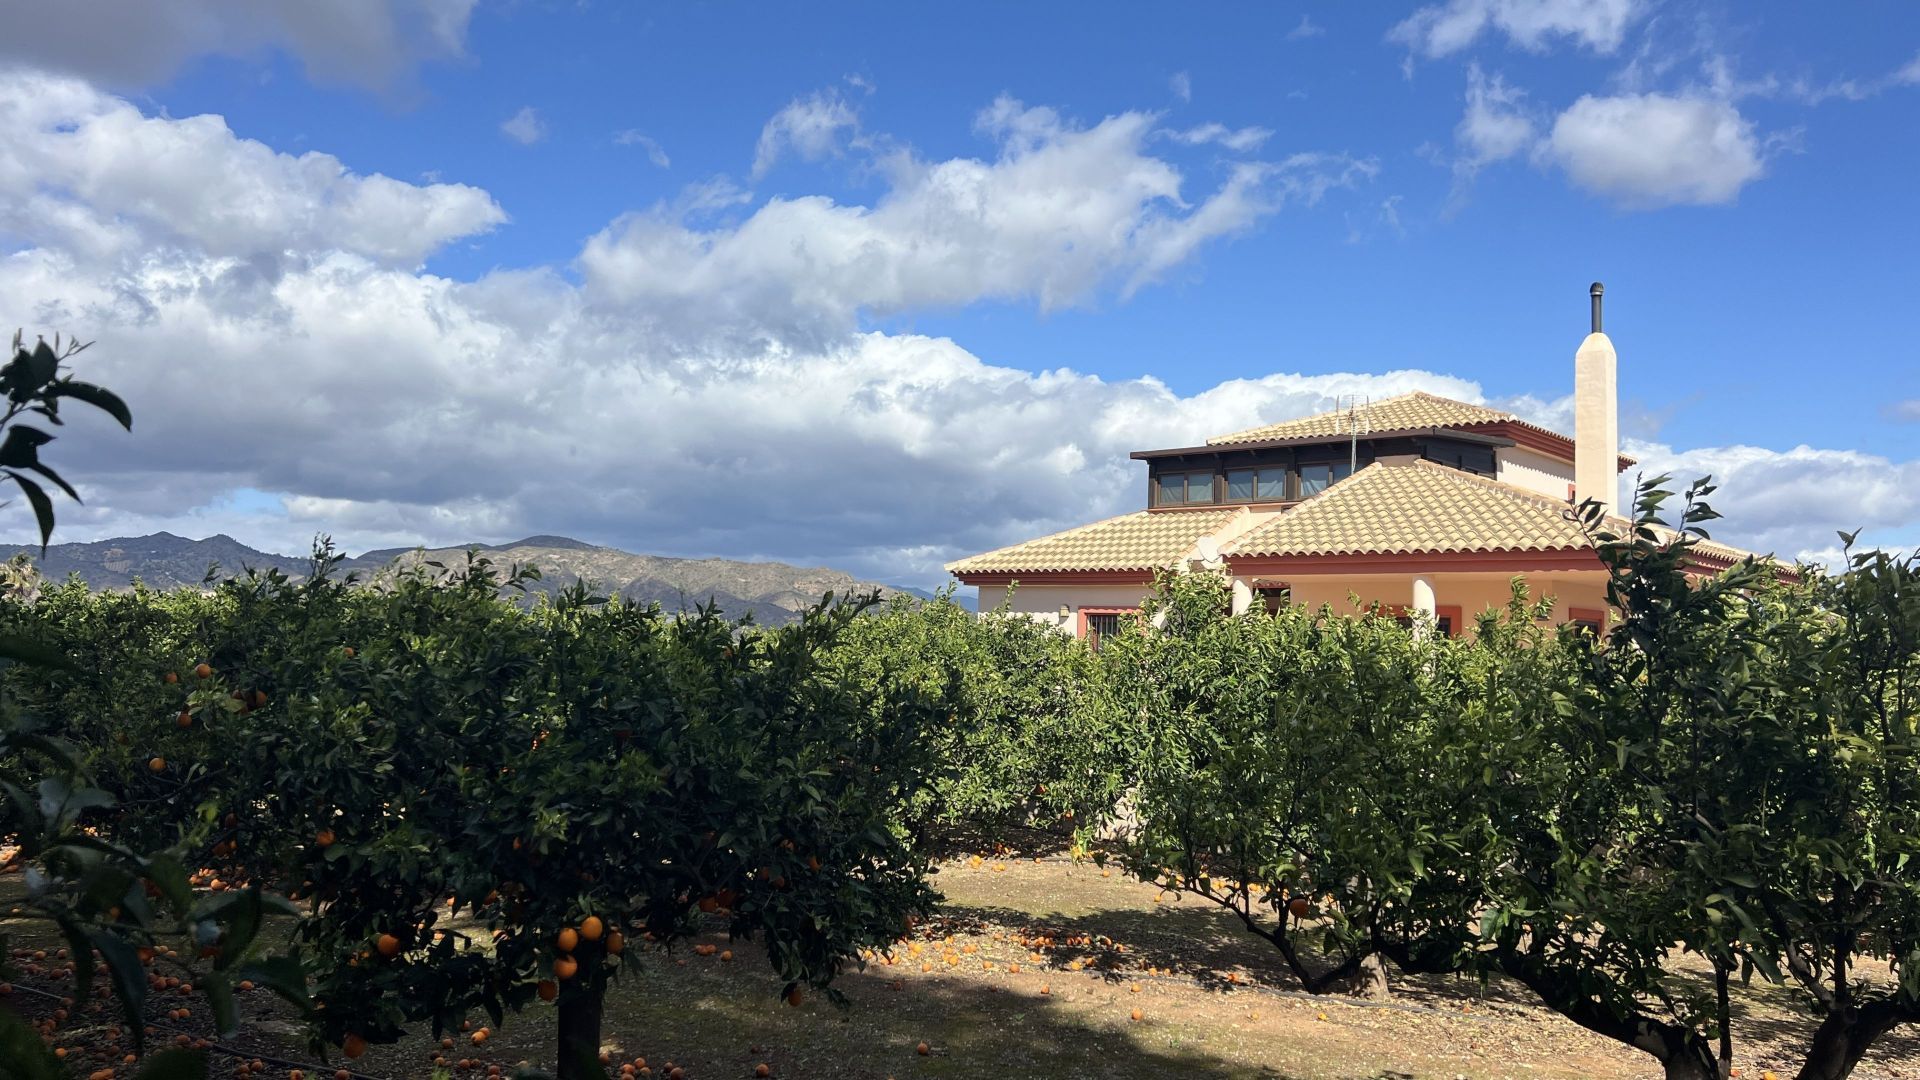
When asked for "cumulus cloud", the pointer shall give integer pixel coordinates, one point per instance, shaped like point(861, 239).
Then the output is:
point(86, 173)
point(137, 42)
point(525, 127)
point(655, 152)
point(1650, 150)
point(810, 128)
point(1444, 29)
point(1060, 212)
point(696, 388)
point(1238, 139)
point(1494, 127)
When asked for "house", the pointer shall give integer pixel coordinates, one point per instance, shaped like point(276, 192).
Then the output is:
point(1417, 503)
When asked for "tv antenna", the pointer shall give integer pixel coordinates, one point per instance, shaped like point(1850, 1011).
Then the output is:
point(1356, 417)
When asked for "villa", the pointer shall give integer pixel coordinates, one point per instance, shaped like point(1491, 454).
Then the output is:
point(1412, 504)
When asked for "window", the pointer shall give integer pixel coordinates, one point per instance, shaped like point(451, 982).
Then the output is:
point(1314, 479)
point(1257, 485)
point(1592, 620)
point(1097, 624)
point(1177, 489)
point(1342, 470)
point(1273, 597)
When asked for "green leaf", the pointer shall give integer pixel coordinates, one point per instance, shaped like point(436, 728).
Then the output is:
point(129, 979)
point(219, 991)
point(42, 506)
point(26, 650)
point(98, 396)
point(21, 447)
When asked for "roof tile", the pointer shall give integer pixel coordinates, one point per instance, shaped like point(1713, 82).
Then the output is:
point(1145, 540)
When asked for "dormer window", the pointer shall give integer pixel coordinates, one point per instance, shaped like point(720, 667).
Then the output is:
point(1183, 489)
point(1257, 485)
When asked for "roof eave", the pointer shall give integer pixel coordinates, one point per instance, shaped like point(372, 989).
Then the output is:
point(1306, 440)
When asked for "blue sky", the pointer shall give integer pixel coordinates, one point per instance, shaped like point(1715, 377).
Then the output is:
point(622, 250)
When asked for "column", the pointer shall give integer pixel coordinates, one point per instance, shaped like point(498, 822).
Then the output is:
point(1423, 603)
point(1242, 596)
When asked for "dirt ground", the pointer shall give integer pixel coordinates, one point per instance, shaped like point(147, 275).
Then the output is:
point(1210, 999)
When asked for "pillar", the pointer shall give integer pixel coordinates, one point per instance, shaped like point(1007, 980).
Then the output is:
point(1423, 602)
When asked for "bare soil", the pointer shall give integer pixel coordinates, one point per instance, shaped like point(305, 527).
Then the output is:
point(971, 985)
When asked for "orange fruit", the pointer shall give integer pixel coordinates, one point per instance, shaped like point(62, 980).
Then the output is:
point(763, 1070)
point(353, 1045)
point(348, 650)
point(548, 989)
point(323, 838)
point(158, 764)
point(616, 944)
point(923, 1050)
point(388, 945)
point(1136, 1015)
point(170, 678)
point(479, 1037)
point(591, 928)
point(567, 940)
point(795, 997)
point(564, 967)
point(205, 671)
point(185, 719)
point(1298, 907)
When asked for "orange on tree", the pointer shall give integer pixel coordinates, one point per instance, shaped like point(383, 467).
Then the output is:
point(567, 940)
point(591, 928)
point(185, 719)
point(157, 764)
point(565, 967)
point(203, 671)
point(616, 943)
point(388, 945)
point(547, 990)
point(323, 838)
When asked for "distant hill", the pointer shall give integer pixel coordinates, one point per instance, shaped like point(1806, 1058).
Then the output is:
point(774, 593)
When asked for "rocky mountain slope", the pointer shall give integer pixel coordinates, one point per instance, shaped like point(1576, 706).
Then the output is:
point(774, 593)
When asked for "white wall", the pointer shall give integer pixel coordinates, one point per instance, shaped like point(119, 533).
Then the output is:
point(1042, 602)
point(1534, 471)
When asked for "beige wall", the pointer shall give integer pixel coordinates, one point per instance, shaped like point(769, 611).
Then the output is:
point(1534, 471)
point(1042, 602)
point(1471, 593)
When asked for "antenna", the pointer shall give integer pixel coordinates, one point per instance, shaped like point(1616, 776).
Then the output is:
point(1357, 415)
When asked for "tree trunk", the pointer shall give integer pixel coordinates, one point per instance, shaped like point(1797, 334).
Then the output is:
point(581, 1006)
point(1843, 1038)
point(1688, 1067)
point(1370, 981)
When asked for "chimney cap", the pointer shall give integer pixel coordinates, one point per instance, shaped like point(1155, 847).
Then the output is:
point(1595, 292)
point(1596, 289)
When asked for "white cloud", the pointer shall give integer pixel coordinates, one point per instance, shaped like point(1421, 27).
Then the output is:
point(1494, 127)
point(1307, 28)
point(808, 127)
point(701, 388)
point(1182, 85)
point(86, 173)
point(1059, 213)
point(1240, 139)
point(524, 127)
point(138, 42)
point(1906, 412)
point(1444, 29)
point(1909, 74)
point(655, 152)
point(1650, 150)
point(1792, 503)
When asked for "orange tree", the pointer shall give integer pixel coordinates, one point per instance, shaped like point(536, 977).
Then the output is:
point(1331, 781)
point(477, 804)
point(1026, 735)
point(1732, 775)
point(112, 901)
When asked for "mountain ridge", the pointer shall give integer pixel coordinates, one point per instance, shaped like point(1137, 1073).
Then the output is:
point(772, 592)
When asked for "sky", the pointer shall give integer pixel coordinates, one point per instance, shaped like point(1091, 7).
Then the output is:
point(876, 286)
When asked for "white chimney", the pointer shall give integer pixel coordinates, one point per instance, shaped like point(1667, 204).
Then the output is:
point(1596, 418)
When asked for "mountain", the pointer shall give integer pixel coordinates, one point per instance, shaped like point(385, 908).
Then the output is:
point(773, 593)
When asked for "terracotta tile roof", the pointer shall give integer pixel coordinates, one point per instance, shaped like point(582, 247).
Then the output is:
point(1403, 413)
point(1424, 508)
point(1146, 540)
